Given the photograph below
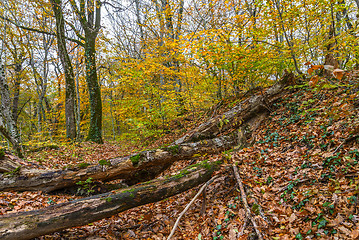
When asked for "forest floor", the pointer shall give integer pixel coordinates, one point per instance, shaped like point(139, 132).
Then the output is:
point(300, 172)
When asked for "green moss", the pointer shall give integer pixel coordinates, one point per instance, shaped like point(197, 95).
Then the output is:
point(83, 165)
point(146, 183)
point(135, 159)
point(194, 167)
point(204, 164)
point(13, 172)
point(173, 149)
point(256, 209)
point(2, 153)
point(104, 162)
point(128, 190)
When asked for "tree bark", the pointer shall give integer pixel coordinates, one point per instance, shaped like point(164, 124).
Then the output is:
point(68, 70)
point(18, 69)
point(90, 23)
point(136, 168)
point(27, 225)
point(95, 130)
point(7, 124)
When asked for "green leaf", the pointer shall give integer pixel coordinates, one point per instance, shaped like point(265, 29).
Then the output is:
point(299, 236)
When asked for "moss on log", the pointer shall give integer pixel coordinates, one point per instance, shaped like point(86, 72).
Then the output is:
point(27, 225)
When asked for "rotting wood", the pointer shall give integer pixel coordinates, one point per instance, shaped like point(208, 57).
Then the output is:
point(28, 225)
point(8, 165)
point(139, 167)
point(146, 165)
point(241, 113)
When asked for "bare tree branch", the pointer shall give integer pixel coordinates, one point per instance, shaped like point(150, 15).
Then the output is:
point(38, 30)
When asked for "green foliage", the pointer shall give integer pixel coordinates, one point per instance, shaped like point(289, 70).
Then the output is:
point(86, 187)
point(299, 236)
point(135, 159)
point(2, 153)
point(173, 149)
point(83, 165)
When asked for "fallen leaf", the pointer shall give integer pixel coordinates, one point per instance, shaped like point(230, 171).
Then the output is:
point(292, 218)
point(338, 74)
point(344, 230)
point(355, 233)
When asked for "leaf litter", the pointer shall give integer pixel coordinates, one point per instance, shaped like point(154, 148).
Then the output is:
point(300, 175)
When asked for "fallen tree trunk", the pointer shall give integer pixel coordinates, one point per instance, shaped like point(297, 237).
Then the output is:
point(136, 168)
point(148, 164)
point(27, 225)
point(239, 114)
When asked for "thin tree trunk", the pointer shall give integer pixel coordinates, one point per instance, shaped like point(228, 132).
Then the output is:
point(68, 70)
point(15, 102)
point(78, 101)
point(290, 43)
point(11, 132)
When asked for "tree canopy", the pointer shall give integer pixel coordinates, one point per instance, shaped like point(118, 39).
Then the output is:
point(125, 69)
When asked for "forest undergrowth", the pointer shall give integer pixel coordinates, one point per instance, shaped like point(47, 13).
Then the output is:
point(300, 171)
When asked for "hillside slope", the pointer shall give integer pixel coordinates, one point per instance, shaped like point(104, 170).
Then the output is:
point(299, 169)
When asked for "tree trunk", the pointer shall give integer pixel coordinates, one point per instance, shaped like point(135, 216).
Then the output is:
point(27, 225)
point(6, 119)
point(91, 23)
point(95, 130)
point(136, 168)
point(15, 102)
point(68, 70)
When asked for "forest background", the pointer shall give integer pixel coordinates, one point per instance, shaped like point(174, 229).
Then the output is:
point(125, 70)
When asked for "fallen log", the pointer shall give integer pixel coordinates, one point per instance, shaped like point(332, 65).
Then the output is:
point(139, 167)
point(8, 165)
point(241, 113)
point(27, 225)
point(148, 164)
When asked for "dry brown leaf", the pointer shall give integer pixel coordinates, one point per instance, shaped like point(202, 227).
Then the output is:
point(355, 233)
point(338, 74)
point(285, 237)
point(314, 80)
point(337, 221)
point(292, 218)
point(232, 232)
point(344, 230)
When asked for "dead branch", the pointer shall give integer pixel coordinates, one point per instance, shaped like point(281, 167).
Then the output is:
point(188, 205)
point(244, 199)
